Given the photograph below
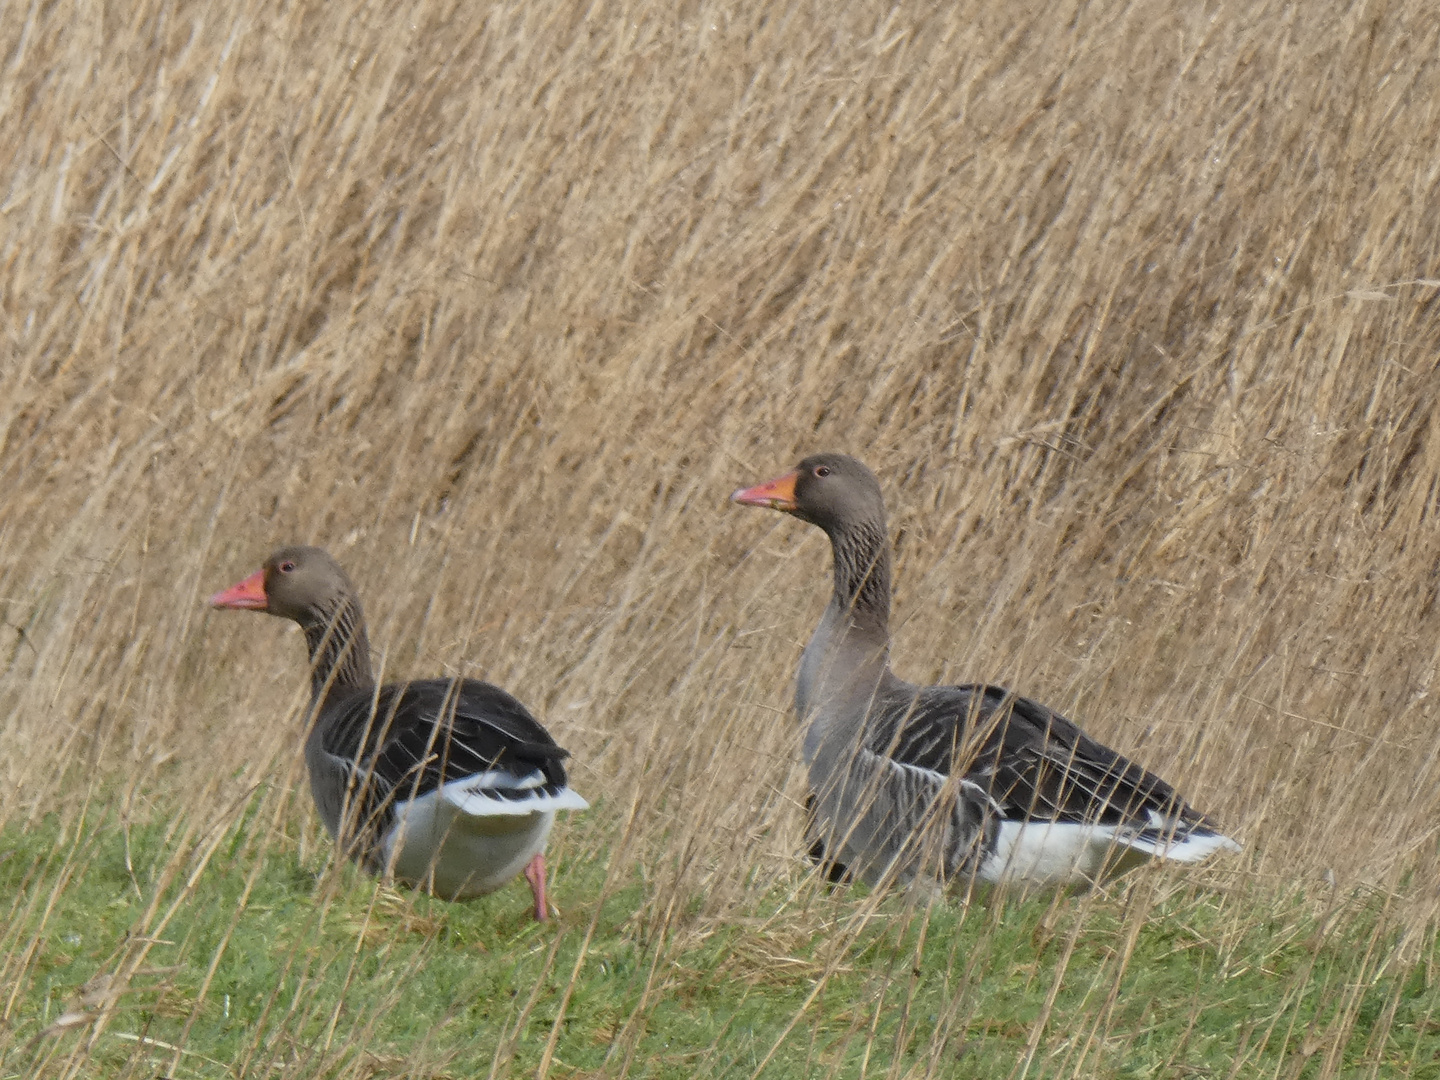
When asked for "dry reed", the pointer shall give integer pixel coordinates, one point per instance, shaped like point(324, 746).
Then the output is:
point(1131, 305)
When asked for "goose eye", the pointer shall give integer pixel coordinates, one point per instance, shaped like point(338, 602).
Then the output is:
point(822, 470)
point(286, 567)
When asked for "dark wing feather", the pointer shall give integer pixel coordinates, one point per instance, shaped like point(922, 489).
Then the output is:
point(1033, 762)
point(409, 738)
point(834, 871)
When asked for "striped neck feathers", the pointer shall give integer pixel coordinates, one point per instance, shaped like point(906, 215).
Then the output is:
point(862, 576)
point(339, 648)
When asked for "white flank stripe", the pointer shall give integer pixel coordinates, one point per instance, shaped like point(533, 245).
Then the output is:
point(477, 803)
point(499, 780)
point(1193, 848)
point(1063, 853)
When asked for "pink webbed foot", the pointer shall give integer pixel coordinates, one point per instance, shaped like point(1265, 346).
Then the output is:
point(535, 875)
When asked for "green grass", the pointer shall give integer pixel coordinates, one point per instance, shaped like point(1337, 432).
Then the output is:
point(263, 957)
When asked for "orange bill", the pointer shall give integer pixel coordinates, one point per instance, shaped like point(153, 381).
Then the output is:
point(249, 593)
point(777, 494)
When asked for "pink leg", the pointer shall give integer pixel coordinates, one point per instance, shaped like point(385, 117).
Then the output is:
point(535, 874)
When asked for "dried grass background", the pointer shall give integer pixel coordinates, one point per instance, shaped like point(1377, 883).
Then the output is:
point(1131, 305)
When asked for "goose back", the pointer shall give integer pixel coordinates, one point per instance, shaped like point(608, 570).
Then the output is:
point(374, 748)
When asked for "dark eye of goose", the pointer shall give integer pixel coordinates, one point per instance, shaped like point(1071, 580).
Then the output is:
point(286, 566)
point(822, 470)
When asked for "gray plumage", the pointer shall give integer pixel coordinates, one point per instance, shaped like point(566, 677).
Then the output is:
point(447, 783)
point(954, 781)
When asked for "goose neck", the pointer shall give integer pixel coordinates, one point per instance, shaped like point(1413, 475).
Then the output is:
point(862, 577)
point(339, 648)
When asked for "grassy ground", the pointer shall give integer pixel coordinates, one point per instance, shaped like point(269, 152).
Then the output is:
point(229, 953)
point(1132, 306)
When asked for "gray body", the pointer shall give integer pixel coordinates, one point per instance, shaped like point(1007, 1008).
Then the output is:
point(950, 782)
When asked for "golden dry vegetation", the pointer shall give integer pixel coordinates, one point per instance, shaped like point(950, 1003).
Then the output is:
point(1132, 306)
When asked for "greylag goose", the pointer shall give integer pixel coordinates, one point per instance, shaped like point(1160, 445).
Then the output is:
point(449, 784)
point(963, 781)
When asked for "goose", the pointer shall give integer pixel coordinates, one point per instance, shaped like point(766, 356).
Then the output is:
point(448, 784)
point(963, 782)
